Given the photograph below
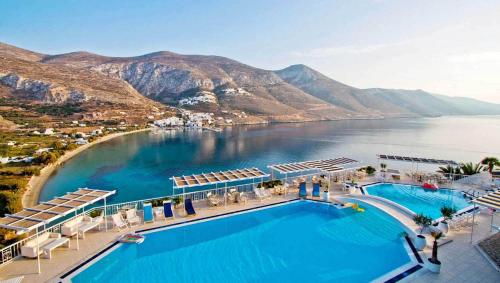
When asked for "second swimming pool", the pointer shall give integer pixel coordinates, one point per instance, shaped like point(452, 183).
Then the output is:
point(418, 199)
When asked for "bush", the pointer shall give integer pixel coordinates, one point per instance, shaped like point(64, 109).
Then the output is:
point(10, 202)
point(159, 202)
point(370, 170)
point(71, 146)
point(46, 158)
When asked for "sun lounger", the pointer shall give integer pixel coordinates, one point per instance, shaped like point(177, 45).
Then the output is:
point(315, 192)
point(302, 189)
point(258, 194)
point(45, 239)
point(88, 223)
point(266, 192)
point(132, 217)
point(70, 228)
point(148, 212)
point(188, 206)
point(118, 221)
point(167, 210)
point(47, 249)
point(214, 200)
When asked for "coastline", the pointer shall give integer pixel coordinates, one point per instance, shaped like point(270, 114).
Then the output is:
point(36, 183)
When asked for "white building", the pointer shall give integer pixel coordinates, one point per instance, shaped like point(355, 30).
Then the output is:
point(96, 132)
point(170, 122)
point(49, 132)
point(81, 141)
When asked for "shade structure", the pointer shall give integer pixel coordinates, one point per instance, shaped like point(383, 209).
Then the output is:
point(325, 165)
point(32, 218)
point(42, 214)
point(417, 159)
point(491, 200)
point(215, 178)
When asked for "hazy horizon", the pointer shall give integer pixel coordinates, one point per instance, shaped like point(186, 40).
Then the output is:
point(444, 47)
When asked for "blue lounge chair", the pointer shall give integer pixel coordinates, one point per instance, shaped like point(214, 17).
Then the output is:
point(188, 206)
point(315, 189)
point(302, 189)
point(167, 210)
point(148, 212)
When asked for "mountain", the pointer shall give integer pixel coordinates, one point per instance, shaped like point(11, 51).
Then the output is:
point(227, 84)
point(383, 102)
point(213, 84)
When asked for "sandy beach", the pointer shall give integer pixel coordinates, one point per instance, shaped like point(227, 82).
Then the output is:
point(35, 185)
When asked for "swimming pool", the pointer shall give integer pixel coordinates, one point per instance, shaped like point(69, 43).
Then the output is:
point(418, 199)
point(297, 242)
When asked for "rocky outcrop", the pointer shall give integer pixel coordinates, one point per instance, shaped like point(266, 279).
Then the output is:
point(42, 91)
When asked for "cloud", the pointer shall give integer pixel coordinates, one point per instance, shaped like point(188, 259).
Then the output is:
point(475, 57)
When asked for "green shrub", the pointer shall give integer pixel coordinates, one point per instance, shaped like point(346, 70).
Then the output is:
point(10, 202)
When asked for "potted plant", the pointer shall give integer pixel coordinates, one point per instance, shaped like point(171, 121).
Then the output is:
point(447, 213)
point(326, 192)
point(382, 167)
point(424, 222)
point(434, 264)
point(177, 201)
point(370, 170)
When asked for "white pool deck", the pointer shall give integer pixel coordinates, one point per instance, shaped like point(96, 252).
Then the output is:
point(461, 260)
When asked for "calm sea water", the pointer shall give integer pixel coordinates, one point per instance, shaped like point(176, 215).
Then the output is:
point(140, 165)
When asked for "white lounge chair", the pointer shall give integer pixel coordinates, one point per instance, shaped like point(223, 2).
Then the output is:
point(47, 249)
point(48, 241)
point(266, 193)
point(88, 223)
point(70, 228)
point(132, 217)
point(214, 200)
point(118, 221)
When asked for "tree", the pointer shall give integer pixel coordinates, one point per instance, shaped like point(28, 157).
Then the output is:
point(490, 163)
point(447, 212)
point(436, 236)
point(422, 221)
point(448, 170)
point(470, 168)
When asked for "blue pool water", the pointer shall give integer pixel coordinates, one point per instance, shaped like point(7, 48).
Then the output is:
point(418, 199)
point(297, 242)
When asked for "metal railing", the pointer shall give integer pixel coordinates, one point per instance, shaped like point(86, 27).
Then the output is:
point(13, 251)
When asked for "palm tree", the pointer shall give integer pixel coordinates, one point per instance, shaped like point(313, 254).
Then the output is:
point(491, 162)
point(470, 168)
point(448, 170)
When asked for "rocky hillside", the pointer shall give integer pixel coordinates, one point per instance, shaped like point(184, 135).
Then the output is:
point(215, 84)
point(382, 102)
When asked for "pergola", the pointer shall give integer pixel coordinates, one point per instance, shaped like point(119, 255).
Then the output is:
point(327, 166)
point(32, 218)
point(217, 178)
point(417, 159)
point(491, 201)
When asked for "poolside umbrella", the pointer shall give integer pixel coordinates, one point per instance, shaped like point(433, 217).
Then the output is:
point(31, 219)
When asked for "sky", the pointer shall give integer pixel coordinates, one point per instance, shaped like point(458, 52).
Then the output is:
point(445, 47)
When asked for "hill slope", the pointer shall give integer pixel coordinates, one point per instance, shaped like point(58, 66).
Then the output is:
point(215, 84)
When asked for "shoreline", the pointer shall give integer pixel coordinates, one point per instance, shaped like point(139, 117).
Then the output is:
point(36, 183)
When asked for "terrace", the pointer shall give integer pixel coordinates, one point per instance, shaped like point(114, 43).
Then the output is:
point(458, 256)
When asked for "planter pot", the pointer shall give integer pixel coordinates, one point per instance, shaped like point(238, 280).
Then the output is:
point(443, 227)
point(326, 196)
point(433, 266)
point(419, 242)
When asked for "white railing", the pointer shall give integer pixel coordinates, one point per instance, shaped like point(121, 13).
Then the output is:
point(10, 252)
